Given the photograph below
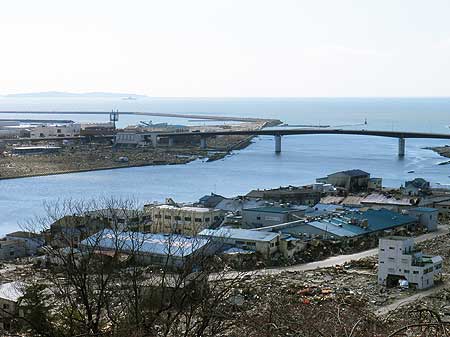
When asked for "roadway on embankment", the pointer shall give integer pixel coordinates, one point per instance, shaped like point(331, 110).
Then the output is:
point(154, 114)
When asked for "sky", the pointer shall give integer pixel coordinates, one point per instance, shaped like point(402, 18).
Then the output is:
point(227, 48)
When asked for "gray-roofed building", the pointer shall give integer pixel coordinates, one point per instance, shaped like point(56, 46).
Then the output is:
point(427, 217)
point(265, 243)
point(154, 249)
point(351, 180)
point(210, 201)
point(271, 215)
point(32, 241)
point(416, 186)
point(293, 194)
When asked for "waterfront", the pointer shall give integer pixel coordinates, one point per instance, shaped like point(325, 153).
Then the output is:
point(303, 159)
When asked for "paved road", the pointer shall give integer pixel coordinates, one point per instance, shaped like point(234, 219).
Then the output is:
point(334, 260)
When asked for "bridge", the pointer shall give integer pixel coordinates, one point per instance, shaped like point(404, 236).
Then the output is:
point(278, 133)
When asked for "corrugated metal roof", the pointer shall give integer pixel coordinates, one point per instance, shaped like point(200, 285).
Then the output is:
point(158, 244)
point(378, 220)
point(272, 209)
point(239, 234)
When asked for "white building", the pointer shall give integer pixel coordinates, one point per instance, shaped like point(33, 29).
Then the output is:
point(10, 293)
point(55, 131)
point(427, 217)
point(185, 220)
point(31, 241)
point(398, 261)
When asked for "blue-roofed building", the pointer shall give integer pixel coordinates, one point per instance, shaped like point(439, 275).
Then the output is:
point(351, 225)
point(154, 249)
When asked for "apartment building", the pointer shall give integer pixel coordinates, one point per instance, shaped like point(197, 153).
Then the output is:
point(185, 220)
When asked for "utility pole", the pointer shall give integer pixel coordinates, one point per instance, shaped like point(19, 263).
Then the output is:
point(114, 117)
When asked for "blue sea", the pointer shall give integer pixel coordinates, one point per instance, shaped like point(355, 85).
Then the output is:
point(303, 159)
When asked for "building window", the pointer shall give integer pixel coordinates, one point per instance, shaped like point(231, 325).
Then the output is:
point(258, 218)
point(198, 219)
point(415, 272)
point(167, 217)
point(406, 271)
point(391, 247)
point(157, 216)
point(177, 217)
point(207, 219)
point(6, 306)
point(187, 218)
point(240, 242)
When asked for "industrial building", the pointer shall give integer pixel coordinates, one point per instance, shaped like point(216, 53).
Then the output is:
point(55, 131)
point(290, 194)
point(152, 249)
point(187, 220)
point(351, 180)
point(271, 215)
point(265, 243)
point(352, 224)
point(399, 261)
point(32, 241)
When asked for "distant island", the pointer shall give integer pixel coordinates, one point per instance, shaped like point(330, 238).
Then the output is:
point(71, 94)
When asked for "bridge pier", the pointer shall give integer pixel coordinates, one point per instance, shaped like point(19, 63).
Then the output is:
point(277, 143)
point(401, 147)
point(171, 141)
point(203, 143)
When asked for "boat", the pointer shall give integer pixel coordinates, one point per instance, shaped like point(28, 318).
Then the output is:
point(412, 171)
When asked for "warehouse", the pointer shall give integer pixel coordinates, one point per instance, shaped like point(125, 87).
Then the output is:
point(152, 249)
point(265, 243)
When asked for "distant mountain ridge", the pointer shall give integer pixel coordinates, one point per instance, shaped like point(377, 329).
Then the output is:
point(71, 94)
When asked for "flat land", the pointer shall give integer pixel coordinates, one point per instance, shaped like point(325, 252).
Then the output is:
point(102, 156)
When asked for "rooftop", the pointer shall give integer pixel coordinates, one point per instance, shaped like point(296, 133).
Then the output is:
point(185, 208)
point(240, 234)
point(354, 173)
point(158, 244)
point(273, 209)
point(11, 291)
point(424, 209)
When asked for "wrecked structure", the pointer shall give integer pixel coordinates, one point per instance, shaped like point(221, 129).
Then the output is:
point(352, 181)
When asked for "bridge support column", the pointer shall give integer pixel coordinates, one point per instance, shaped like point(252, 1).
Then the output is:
point(401, 147)
point(203, 143)
point(171, 141)
point(277, 143)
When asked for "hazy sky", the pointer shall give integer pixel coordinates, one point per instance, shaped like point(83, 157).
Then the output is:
point(227, 48)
